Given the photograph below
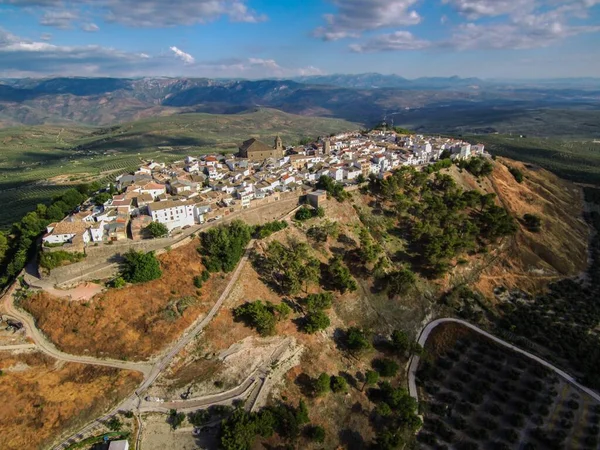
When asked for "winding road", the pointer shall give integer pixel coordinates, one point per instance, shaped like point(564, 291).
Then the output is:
point(414, 362)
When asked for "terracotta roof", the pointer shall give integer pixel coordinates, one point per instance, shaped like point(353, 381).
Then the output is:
point(254, 145)
point(69, 228)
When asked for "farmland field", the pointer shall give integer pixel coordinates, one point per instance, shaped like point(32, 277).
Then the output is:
point(480, 395)
point(38, 163)
point(574, 159)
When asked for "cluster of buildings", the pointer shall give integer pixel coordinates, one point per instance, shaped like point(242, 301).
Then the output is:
point(195, 190)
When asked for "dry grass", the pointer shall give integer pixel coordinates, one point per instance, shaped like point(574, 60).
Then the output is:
point(135, 322)
point(43, 398)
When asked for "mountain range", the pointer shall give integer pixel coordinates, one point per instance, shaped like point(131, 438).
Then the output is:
point(364, 98)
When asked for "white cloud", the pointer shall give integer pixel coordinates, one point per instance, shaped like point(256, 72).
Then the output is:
point(528, 24)
point(46, 36)
point(399, 40)
point(356, 16)
point(155, 13)
point(61, 19)
point(185, 57)
point(90, 27)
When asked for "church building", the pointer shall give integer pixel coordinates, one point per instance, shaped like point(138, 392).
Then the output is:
point(255, 150)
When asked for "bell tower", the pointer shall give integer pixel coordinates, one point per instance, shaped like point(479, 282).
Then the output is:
point(278, 143)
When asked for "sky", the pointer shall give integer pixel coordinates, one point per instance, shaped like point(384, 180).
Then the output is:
point(289, 38)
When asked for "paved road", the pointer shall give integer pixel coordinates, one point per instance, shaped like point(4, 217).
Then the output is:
point(414, 362)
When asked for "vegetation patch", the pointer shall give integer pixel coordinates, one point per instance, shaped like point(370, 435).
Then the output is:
point(51, 260)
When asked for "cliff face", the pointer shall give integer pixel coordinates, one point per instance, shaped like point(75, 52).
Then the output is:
point(531, 260)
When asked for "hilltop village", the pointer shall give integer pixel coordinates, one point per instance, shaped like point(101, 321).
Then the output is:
point(206, 189)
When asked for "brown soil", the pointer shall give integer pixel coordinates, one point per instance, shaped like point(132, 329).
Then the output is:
point(443, 338)
point(42, 397)
point(134, 322)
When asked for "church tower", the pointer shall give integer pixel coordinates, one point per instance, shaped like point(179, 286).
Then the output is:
point(327, 147)
point(278, 147)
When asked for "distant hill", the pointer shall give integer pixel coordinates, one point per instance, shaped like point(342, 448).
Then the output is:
point(449, 104)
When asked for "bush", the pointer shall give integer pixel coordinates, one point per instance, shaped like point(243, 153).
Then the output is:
point(266, 230)
point(258, 315)
point(51, 260)
point(157, 229)
point(532, 222)
point(139, 267)
point(516, 173)
point(118, 282)
point(304, 213)
point(399, 282)
point(386, 367)
point(114, 424)
point(198, 281)
point(175, 418)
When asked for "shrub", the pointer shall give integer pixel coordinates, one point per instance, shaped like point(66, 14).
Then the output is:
point(139, 267)
point(198, 281)
point(340, 276)
point(199, 418)
point(532, 222)
point(175, 418)
point(304, 213)
point(266, 230)
point(118, 282)
point(516, 173)
point(51, 260)
point(258, 315)
point(319, 302)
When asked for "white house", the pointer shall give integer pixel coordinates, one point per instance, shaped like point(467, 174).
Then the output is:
point(63, 232)
point(172, 214)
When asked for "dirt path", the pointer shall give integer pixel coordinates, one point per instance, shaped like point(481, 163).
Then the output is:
point(134, 401)
point(414, 362)
point(17, 347)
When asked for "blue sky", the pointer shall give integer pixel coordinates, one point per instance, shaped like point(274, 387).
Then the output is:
point(287, 38)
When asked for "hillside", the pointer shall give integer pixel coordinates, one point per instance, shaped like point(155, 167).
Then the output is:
point(36, 163)
point(295, 344)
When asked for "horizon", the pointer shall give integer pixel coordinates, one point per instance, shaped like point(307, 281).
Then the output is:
point(264, 39)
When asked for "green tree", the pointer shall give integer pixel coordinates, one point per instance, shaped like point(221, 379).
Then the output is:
point(371, 378)
point(316, 433)
point(316, 321)
point(175, 418)
point(157, 229)
point(386, 367)
point(318, 302)
point(400, 341)
point(114, 424)
point(340, 276)
point(356, 339)
point(258, 315)
point(339, 384)
point(516, 173)
point(101, 198)
point(369, 249)
point(322, 384)
point(399, 282)
point(199, 418)
point(302, 413)
point(222, 247)
point(139, 267)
